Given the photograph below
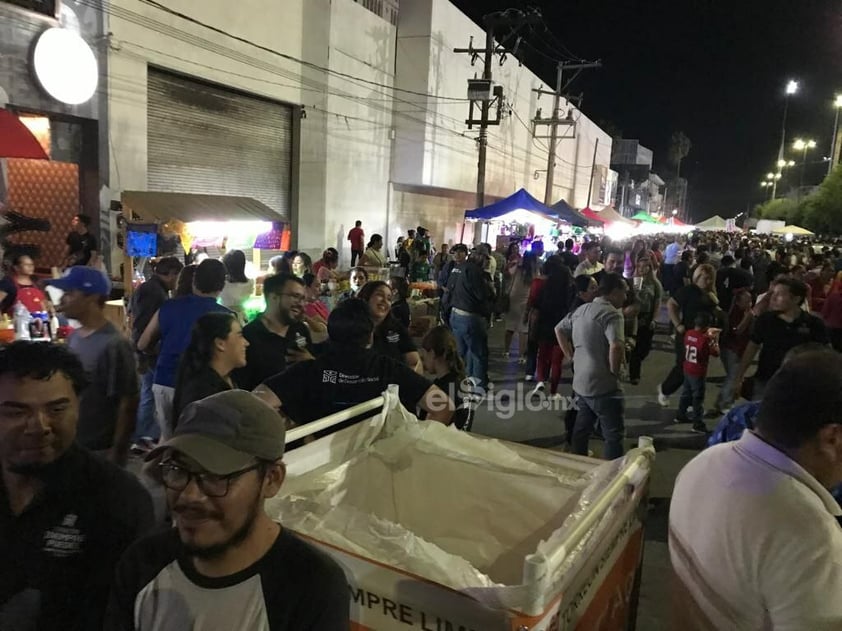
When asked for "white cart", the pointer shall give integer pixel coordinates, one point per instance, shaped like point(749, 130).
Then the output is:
point(439, 530)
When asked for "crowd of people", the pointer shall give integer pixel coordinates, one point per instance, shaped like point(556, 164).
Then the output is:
point(205, 394)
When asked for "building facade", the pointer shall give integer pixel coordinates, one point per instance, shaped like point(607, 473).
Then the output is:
point(66, 124)
point(326, 111)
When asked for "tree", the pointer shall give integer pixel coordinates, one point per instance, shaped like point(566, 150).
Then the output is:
point(822, 211)
point(782, 209)
point(680, 146)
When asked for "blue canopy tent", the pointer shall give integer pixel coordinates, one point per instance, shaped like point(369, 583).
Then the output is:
point(516, 207)
point(519, 201)
point(567, 213)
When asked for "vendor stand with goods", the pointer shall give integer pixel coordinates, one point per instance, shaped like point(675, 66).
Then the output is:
point(195, 226)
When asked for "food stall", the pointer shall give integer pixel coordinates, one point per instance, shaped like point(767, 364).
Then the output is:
point(441, 529)
point(189, 222)
point(520, 217)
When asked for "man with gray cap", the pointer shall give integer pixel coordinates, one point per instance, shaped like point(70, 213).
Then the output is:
point(226, 564)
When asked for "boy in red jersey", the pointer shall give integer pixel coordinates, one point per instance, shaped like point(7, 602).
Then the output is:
point(700, 343)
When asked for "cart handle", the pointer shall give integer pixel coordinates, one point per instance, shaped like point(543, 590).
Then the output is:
point(537, 566)
point(308, 429)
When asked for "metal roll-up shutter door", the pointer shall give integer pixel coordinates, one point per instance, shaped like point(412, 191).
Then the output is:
point(205, 139)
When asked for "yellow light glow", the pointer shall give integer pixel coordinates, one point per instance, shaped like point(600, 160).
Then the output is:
point(838, 101)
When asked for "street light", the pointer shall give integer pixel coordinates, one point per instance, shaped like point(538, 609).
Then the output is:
point(803, 146)
point(838, 105)
point(791, 88)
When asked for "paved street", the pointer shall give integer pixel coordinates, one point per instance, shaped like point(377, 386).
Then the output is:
point(675, 446)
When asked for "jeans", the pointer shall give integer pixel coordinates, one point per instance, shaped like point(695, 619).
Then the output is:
point(471, 333)
point(693, 394)
point(731, 361)
point(643, 346)
point(146, 426)
point(676, 375)
point(608, 410)
point(355, 254)
point(163, 409)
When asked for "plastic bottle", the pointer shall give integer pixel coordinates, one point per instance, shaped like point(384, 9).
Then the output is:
point(54, 325)
point(22, 318)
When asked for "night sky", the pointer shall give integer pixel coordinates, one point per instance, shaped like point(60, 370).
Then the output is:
point(714, 69)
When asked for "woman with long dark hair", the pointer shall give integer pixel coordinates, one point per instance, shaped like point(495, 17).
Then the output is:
point(238, 287)
point(184, 283)
point(441, 361)
point(217, 347)
point(552, 303)
point(391, 338)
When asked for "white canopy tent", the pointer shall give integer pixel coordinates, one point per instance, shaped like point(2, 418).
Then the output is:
point(712, 223)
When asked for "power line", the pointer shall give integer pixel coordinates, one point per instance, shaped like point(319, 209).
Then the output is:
point(288, 57)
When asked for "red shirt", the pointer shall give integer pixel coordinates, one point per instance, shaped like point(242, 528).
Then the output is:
point(356, 237)
point(698, 348)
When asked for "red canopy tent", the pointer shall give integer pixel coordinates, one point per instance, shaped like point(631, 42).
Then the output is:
point(592, 214)
point(16, 141)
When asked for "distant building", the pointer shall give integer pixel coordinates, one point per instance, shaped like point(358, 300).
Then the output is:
point(638, 188)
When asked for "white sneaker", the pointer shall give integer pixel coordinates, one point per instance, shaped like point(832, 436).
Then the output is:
point(528, 378)
point(556, 397)
point(539, 387)
point(663, 400)
point(521, 360)
point(507, 355)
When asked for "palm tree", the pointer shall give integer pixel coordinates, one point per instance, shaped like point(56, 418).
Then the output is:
point(680, 146)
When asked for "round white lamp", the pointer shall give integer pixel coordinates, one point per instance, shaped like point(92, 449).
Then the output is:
point(65, 66)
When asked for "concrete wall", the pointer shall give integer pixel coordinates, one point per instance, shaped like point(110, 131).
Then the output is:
point(435, 149)
point(343, 149)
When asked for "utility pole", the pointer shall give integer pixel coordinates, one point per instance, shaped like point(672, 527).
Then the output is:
point(593, 171)
point(554, 121)
point(483, 93)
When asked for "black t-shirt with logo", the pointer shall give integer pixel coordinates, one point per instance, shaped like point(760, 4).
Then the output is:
point(266, 354)
point(57, 558)
point(392, 339)
point(342, 378)
point(777, 337)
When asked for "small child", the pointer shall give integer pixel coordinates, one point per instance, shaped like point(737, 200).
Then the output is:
point(700, 343)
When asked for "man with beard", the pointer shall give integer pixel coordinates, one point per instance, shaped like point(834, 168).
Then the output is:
point(278, 337)
point(226, 564)
point(66, 515)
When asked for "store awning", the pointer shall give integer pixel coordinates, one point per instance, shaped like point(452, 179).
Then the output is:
point(187, 207)
point(16, 141)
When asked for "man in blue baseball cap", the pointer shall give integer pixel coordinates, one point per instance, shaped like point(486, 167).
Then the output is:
point(108, 405)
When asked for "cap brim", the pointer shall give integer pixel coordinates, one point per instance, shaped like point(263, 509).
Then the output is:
point(211, 455)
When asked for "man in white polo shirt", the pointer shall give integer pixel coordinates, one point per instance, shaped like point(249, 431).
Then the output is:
point(755, 537)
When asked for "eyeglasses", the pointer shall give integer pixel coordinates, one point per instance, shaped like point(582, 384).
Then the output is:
point(177, 478)
point(296, 297)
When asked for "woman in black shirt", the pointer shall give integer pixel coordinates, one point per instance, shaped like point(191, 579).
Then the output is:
point(217, 347)
point(400, 307)
point(442, 362)
point(391, 338)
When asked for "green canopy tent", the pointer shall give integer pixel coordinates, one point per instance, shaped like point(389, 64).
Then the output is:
point(644, 217)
